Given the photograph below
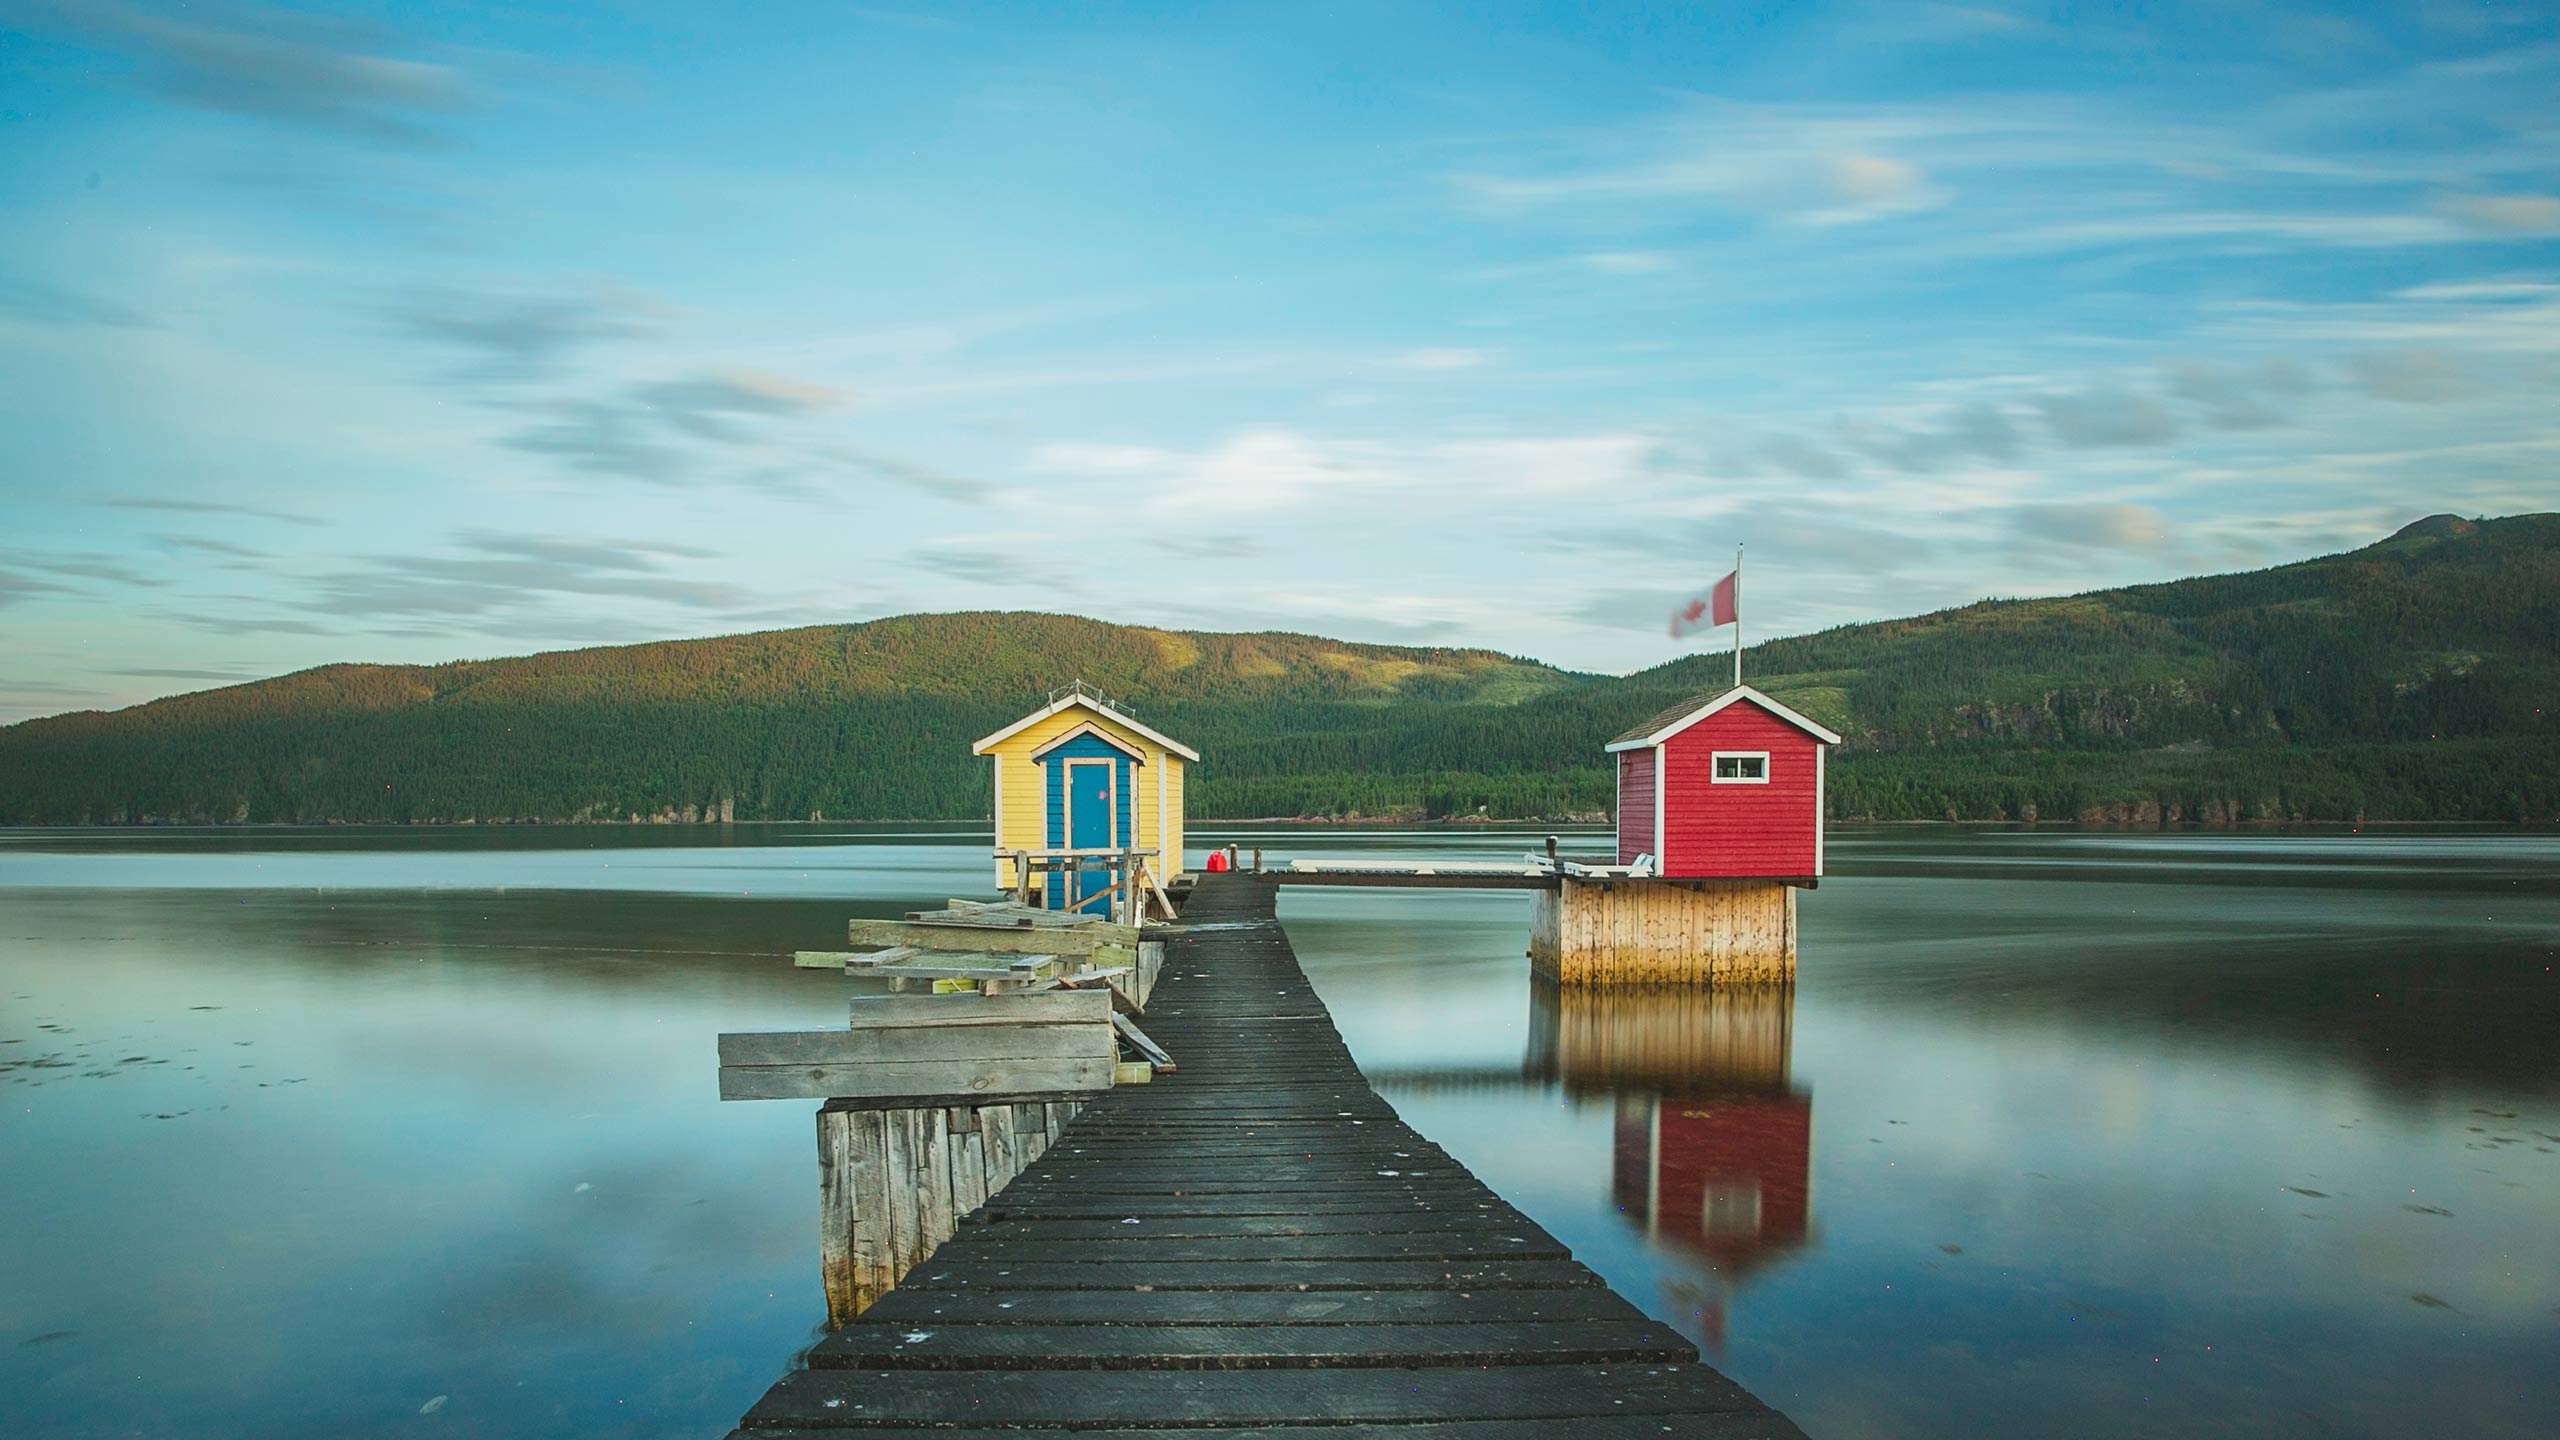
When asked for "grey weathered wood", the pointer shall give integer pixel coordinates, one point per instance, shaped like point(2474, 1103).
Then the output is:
point(884, 1011)
point(914, 960)
point(956, 1044)
point(1001, 914)
point(968, 1164)
point(1150, 968)
point(906, 1218)
point(836, 1204)
point(925, 1080)
point(855, 1261)
point(953, 964)
point(1138, 1040)
point(1116, 980)
point(1030, 1130)
point(995, 1136)
point(1047, 940)
point(932, 1179)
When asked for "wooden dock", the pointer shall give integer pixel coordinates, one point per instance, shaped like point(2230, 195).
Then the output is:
point(1254, 1247)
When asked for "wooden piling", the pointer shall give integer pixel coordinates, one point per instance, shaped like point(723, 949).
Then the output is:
point(894, 1184)
point(1651, 932)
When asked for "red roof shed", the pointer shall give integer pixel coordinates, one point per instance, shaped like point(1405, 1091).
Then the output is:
point(1723, 787)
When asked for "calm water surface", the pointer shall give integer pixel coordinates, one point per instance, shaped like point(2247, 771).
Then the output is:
point(336, 1133)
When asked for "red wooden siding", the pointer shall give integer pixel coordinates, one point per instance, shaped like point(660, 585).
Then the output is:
point(1635, 805)
point(1713, 829)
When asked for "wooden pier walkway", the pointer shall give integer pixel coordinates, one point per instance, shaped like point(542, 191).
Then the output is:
point(1253, 1247)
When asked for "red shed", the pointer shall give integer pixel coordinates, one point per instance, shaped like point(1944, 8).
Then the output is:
point(1723, 787)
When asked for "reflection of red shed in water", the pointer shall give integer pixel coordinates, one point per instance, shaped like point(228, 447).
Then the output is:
point(1723, 786)
point(1723, 1176)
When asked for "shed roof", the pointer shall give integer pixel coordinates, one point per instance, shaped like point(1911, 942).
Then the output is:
point(1658, 728)
point(1079, 732)
point(1073, 700)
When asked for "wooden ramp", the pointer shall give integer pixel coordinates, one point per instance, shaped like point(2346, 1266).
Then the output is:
point(1253, 1248)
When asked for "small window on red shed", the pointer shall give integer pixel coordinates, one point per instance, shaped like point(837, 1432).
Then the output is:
point(1742, 767)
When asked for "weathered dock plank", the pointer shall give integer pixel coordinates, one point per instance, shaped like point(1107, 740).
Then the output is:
point(919, 1049)
point(1468, 1341)
point(1254, 1247)
point(1320, 1394)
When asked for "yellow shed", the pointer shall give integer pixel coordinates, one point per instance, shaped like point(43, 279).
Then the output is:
point(1077, 776)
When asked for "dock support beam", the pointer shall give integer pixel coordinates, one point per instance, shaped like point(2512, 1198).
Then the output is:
point(1665, 932)
point(894, 1182)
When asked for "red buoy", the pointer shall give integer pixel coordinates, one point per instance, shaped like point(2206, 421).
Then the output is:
point(1217, 862)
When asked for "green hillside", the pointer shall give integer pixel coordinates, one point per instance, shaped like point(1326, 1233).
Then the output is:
point(2411, 679)
point(844, 721)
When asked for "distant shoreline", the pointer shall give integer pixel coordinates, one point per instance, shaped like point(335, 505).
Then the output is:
point(1296, 822)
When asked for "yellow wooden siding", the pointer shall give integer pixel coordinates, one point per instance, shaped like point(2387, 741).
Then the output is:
point(1022, 787)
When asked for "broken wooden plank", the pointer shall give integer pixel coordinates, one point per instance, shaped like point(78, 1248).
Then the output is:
point(1050, 1008)
point(1115, 981)
point(1138, 1041)
point(957, 1044)
point(911, 955)
point(935, 1080)
point(931, 935)
point(1004, 914)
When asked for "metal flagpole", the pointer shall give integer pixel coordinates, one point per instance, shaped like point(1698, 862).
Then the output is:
point(1737, 617)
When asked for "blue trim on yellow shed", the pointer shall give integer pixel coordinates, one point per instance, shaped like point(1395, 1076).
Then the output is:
point(1123, 790)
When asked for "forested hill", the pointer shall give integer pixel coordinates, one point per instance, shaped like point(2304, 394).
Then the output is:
point(2411, 679)
point(840, 721)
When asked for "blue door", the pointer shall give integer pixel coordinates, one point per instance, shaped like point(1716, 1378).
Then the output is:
point(1089, 825)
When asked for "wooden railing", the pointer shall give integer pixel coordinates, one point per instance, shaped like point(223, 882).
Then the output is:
point(1133, 890)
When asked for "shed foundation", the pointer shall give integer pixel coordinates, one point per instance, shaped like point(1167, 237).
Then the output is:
point(895, 1180)
point(1665, 932)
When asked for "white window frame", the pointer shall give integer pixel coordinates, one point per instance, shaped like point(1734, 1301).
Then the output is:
point(1715, 767)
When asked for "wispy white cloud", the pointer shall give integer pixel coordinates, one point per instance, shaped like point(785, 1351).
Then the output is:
point(1795, 166)
point(2505, 215)
point(286, 66)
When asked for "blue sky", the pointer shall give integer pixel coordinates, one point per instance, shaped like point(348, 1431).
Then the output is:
point(418, 333)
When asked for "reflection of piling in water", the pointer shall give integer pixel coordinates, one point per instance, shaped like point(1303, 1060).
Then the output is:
point(1661, 1038)
point(1712, 1152)
point(893, 1183)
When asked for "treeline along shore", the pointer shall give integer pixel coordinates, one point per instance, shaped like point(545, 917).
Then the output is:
point(2411, 680)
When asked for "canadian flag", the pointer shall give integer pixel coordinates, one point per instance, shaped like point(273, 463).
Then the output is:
point(1719, 606)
